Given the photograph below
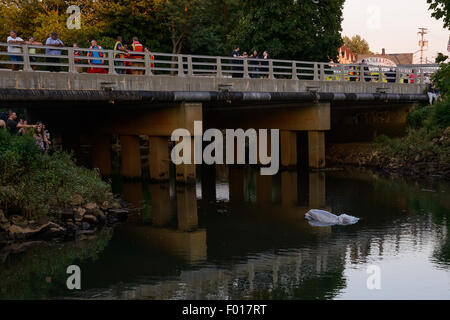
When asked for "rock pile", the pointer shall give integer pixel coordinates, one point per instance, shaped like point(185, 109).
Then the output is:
point(65, 223)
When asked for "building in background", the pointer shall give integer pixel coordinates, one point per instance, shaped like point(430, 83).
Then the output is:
point(387, 60)
point(346, 56)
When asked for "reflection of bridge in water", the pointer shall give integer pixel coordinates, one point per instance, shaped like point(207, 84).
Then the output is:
point(230, 253)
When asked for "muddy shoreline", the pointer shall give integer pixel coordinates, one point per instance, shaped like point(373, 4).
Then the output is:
point(424, 165)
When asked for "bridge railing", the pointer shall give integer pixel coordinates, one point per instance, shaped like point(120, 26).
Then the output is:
point(81, 60)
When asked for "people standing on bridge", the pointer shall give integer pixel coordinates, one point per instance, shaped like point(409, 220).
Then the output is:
point(118, 46)
point(96, 63)
point(391, 75)
point(237, 61)
point(139, 48)
point(365, 71)
point(14, 51)
point(412, 76)
point(32, 51)
point(77, 53)
point(53, 41)
point(265, 64)
point(127, 63)
point(254, 63)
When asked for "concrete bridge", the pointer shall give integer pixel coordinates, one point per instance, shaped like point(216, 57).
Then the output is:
point(302, 99)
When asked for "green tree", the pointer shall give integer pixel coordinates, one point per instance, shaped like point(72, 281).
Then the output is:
point(441, 10)
point(214, 23)
point(41, 17)
point(302, 30)
point(357, 44)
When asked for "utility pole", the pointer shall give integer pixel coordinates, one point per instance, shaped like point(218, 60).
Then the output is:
point(422, 43)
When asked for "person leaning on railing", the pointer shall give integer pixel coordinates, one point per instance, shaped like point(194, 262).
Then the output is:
point(32, 51)
point(118, 46)
point(53, 41)
point(265, 65)
point(137, 47)
point(15, 53)
point(254, 64)
point(96, 62)
point(77, 53)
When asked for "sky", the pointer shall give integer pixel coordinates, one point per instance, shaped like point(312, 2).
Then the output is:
point(393, 25)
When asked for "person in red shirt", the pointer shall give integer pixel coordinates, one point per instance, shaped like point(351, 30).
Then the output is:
point(137, 47)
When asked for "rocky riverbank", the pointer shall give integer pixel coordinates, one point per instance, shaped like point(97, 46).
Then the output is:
point(411, 160)
point(77, 221)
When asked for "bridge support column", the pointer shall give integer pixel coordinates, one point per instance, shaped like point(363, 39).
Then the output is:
point(101, 154)
point(208, 182)
point(316, 144)
point(288, 144)
point(160, 195)
point(132, 192)
point(263, 188)
point(187, 208)
point(131, 157)
point(317, 190)
point(236, 184)
point(289, 193)
point(159, 158)
point(188, 113)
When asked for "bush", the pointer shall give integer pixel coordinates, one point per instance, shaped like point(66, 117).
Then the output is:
point(32, 182)
point(440, 116)
point(417, 116)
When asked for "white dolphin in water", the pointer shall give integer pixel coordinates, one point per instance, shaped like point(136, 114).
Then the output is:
point(321, 218)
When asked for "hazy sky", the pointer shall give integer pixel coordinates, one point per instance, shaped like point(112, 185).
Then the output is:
point(393, 24)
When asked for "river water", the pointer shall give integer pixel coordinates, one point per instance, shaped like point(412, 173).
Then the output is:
point(243, 236)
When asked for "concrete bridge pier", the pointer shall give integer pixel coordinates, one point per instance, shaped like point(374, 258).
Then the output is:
point(101, 153)
point(289, 188)
point(208, 183)
point(236, 184)
point(160, 195)
point(159, 159)
point(316, 149)
point(317, 190)
point(131, 156)
point(188, 113)
point(288, 147)
point(263, 189)
point(187, 208)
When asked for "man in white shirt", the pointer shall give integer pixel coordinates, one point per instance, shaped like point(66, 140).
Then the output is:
point(14, 50)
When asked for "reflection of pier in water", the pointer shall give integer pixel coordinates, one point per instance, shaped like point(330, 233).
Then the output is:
point(276, 204)
point(215, 264)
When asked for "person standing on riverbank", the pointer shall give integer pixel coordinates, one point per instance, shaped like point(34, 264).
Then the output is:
point(14, 51)
point(53, 41)
point(431, 91)
point(13, 125)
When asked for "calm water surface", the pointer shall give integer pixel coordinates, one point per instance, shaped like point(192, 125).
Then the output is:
point(242, 236)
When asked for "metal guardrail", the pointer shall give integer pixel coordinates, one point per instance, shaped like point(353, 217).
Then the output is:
point(76, 60)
